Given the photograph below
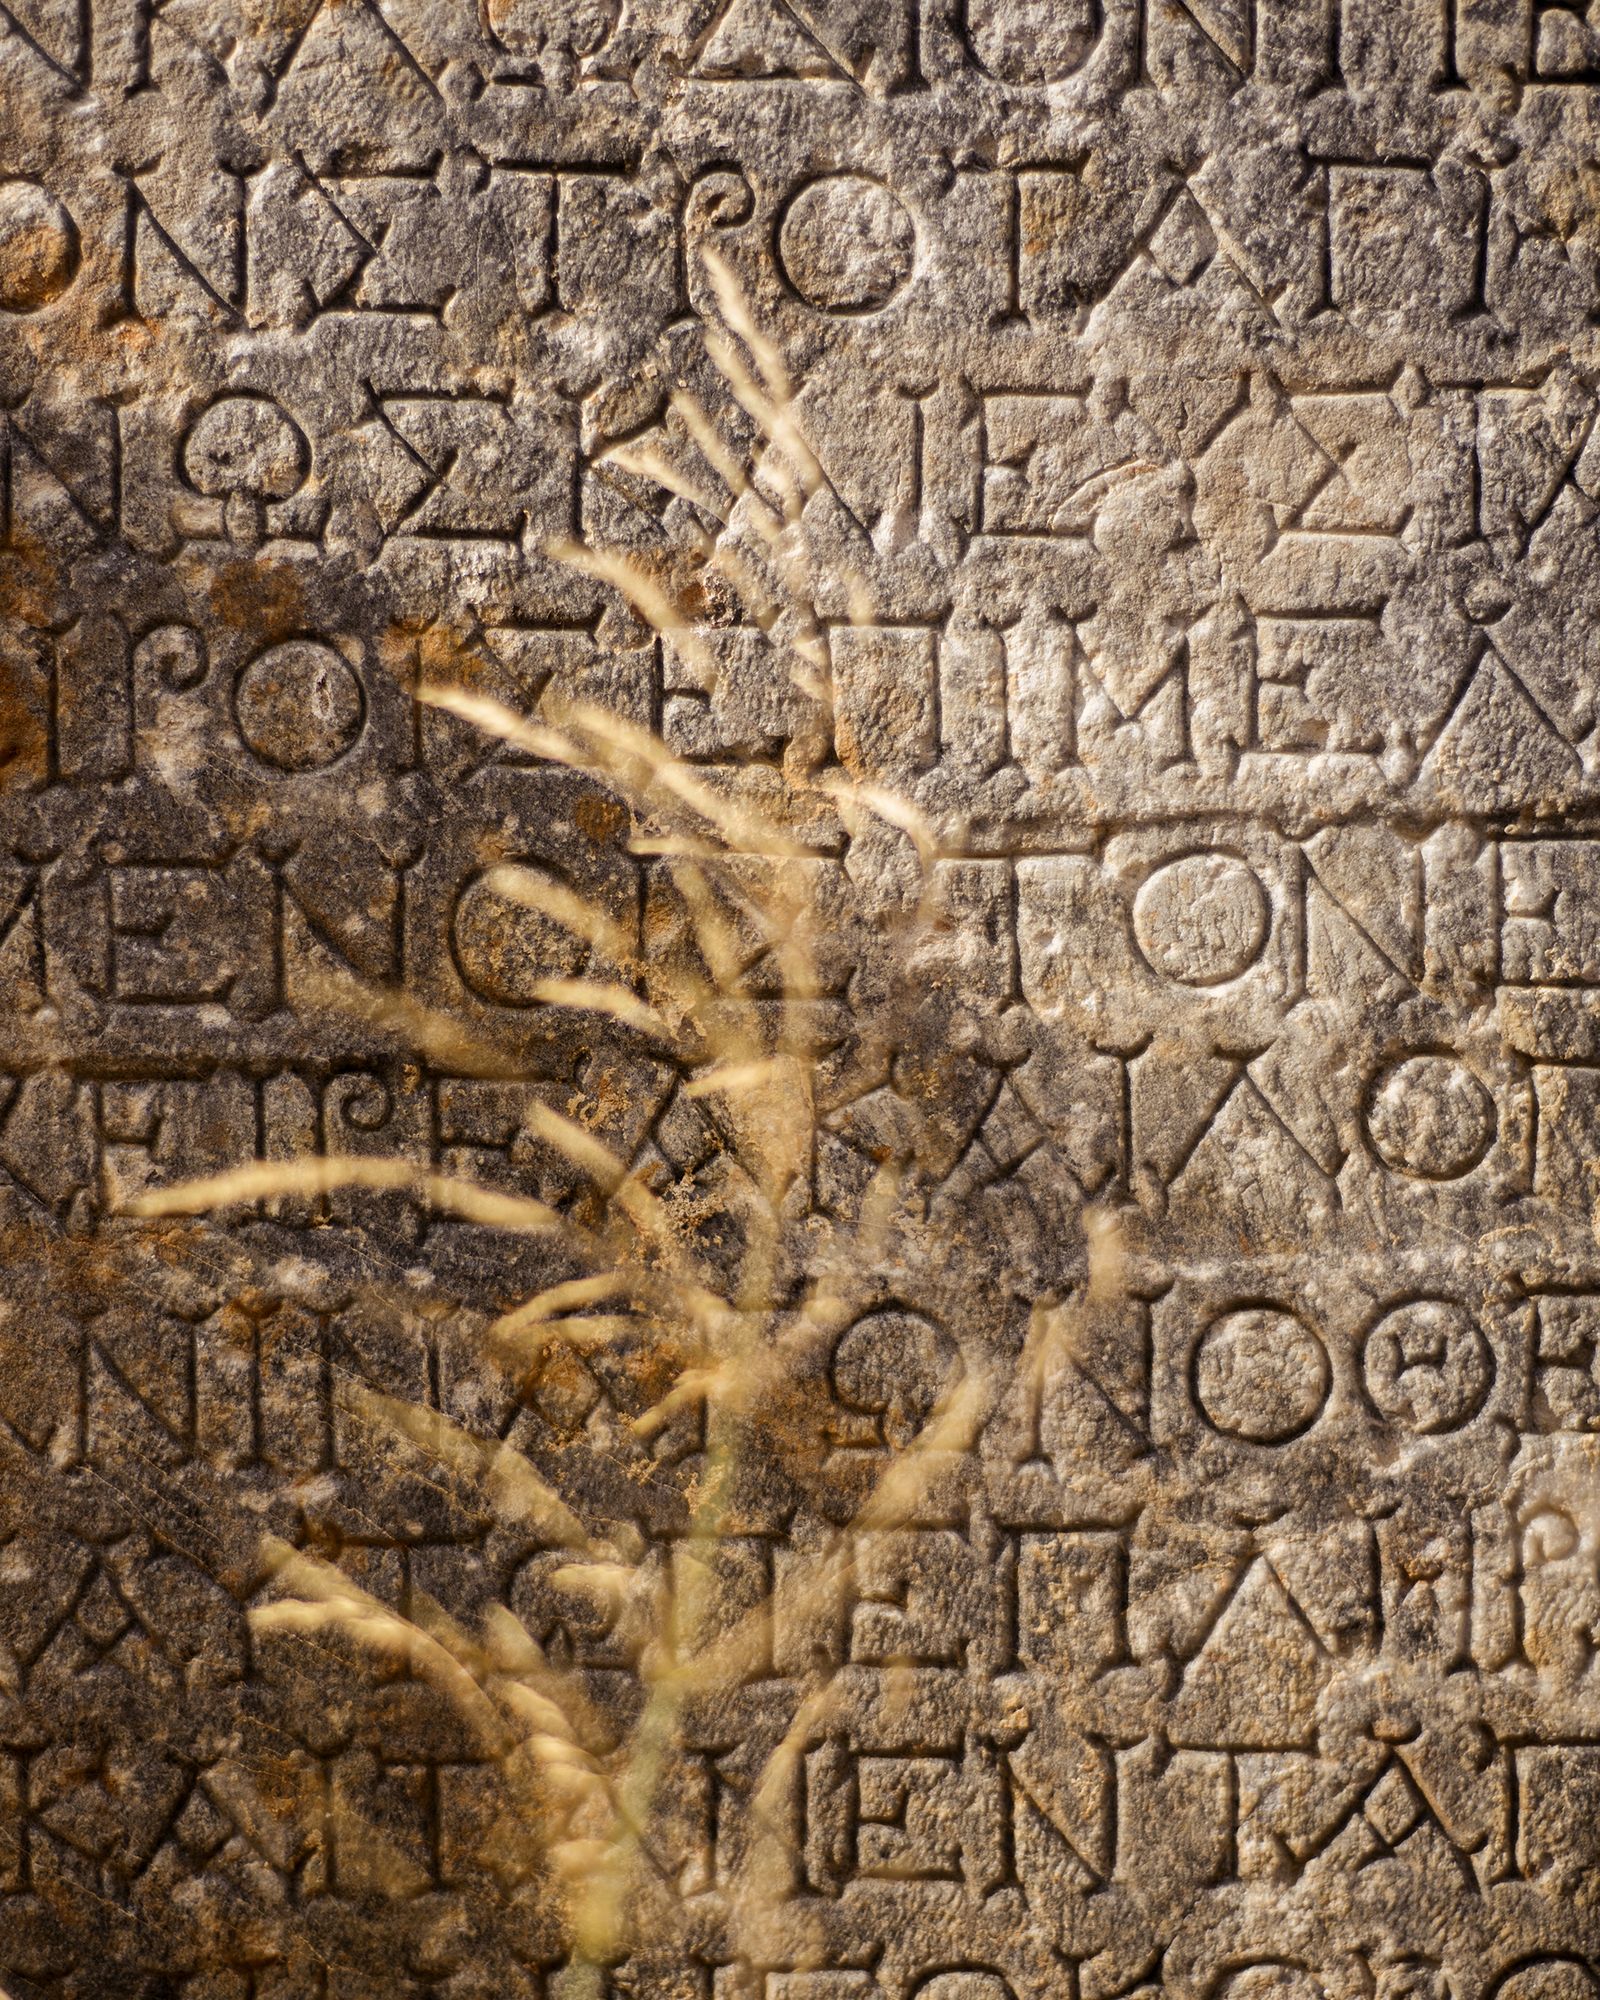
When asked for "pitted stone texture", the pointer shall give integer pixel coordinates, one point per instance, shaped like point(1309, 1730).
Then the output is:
point(1203, 396)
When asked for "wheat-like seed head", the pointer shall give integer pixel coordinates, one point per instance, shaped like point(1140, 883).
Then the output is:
point(735, 1342)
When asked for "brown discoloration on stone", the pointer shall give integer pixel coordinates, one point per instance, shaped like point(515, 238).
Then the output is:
point(599, 820)
point(259, 599)
point(1155, 595)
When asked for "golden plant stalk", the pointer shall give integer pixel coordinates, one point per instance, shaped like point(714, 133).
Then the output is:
point(585, 1813)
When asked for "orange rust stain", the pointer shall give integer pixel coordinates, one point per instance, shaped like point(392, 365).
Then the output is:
point(22, 735)
point(444, 654)
point(606, 1100)
point(31, 581)
point(264, 599)
point(601, 819)
point(136, 336)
